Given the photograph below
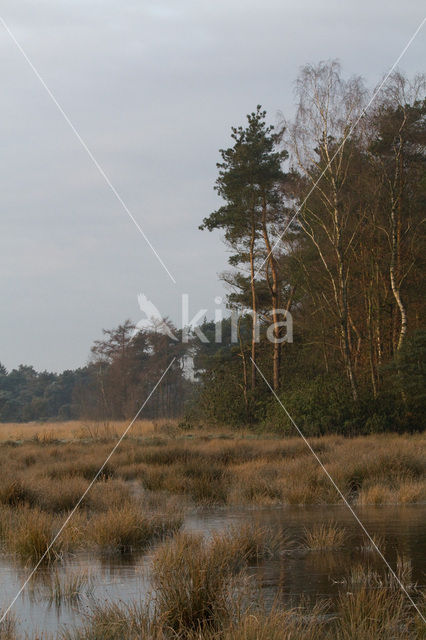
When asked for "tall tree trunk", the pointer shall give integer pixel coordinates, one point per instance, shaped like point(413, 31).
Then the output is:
point(344, 310)
point(345, 339)
point(275, 299)
point(243, 358)
point(378, 332)
point(254, 308)
point(393, 269)
point(373, 367)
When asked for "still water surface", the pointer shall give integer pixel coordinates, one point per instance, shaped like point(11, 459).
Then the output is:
point(294, 574)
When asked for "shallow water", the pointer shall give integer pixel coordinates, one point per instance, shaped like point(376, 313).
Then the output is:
point(294, 574)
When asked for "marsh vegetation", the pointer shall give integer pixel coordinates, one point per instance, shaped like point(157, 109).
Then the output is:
point(205, 584)
point(202, 589)
point(46, 475)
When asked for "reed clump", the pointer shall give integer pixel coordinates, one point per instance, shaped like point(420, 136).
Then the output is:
point(278, 624)
point(192, 582)
point(127, 528)
point(118, 621)
point(202, 591)
point(249, 542)
point(29, 533)
point(365, 615)
point(198, 582)
point(324, 536)
point(67, 588)
point(376, 614)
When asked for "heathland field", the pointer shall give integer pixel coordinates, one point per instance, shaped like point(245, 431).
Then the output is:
point(200, 586)
point(48, 466)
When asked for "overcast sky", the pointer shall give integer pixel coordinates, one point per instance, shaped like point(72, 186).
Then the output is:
point(153, 89)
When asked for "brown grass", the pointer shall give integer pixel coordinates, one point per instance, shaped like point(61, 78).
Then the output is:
point(249, 542)
point(203, 592)
point(201, 586)
point(406, 492)
point(193, 578)
point(29, 533)
point(192, 583)
point(50, 474)
point(47, 432)
point(127, 528)
point(27, 530)
point(324, 536)
point(377, 614)
point(117, 621)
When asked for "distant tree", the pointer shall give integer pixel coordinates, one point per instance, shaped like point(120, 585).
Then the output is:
point(127, 363)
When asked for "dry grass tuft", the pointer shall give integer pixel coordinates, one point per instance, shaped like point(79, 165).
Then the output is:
point(202, 592)
point(117, 621)
point(249, 542)
point(198, 583)
point(127, 528)
point(192, 582)
point(376, 495)
point(375, 614)
point(278, 625)
point(29, 533)
point(366, 615)
point(405, 492)
point(362, 576)
point(379, 542)
point(325, 536)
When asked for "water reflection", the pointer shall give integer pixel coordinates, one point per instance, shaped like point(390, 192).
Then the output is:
point(296, 573)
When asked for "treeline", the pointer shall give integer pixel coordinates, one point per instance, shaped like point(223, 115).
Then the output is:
point(323, 218)
point(27, 395)
point(124, 367)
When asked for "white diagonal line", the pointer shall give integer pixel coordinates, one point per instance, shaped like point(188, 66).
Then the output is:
point(74, 509)
point(86, 148)
point(340, 492)
point(351, 130)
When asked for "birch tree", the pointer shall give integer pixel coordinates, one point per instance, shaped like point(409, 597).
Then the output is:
point(323, 146)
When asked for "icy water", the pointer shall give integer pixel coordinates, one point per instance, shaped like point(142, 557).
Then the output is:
point(296, 573)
